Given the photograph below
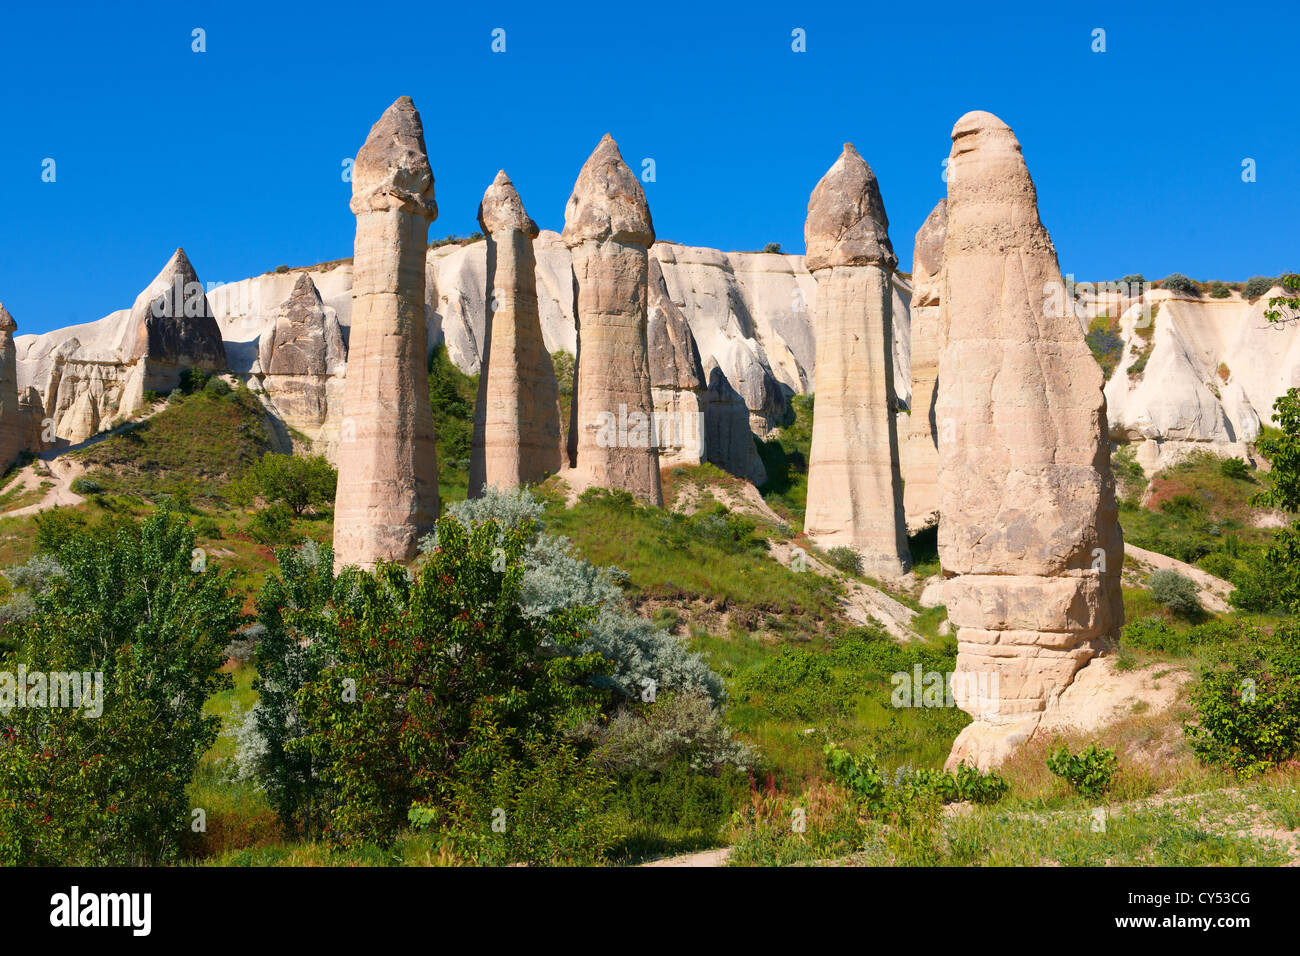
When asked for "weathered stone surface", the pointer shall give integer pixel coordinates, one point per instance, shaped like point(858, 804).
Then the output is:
point(608, 230)
point(302, 360)
point(1029, 523)
point(516, 417)
point(388, 476)
point(172, 329)
point(12, 437)
point(855, 488)
point(676, 377)
point(921, 447)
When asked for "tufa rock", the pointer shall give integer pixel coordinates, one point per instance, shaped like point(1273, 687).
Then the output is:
point(921, 446)
point(855, 488)
point(608, 230)
point(388, 476)
point(1029, 528)
point(516, 417)
point(676, 377)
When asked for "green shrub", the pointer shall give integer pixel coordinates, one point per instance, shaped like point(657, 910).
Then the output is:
point(1257, 286)
point(83, 485)
point(205, 527)
point(1218, 290)
point(272, 525)
point(440, 691)
point(1175, 591)
point(217, 386)
point(772, 247)
point(1184, 507)
point(1247, 703)
point(861, 776)
point(1134, 284)
point(547, 807)
point(192, 380)
point(681, 798)
point(1090, 772)
point(845, 559)
point(1179, 283)
point(1235, 468)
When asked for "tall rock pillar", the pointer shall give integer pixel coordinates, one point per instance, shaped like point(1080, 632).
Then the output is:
point(12, 417)
point(855, 488)
point(388, 476)
point(1029, 525)
point(607, 227)
point(921, 447)
point(516, 418)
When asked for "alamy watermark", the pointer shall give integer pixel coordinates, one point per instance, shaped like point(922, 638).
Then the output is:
point(61, 690)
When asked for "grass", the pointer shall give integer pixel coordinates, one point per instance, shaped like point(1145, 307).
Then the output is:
point(709, 559)
point(785, 457)
point(187, 451)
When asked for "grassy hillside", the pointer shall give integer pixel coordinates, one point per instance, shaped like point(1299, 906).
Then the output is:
point(187, 451)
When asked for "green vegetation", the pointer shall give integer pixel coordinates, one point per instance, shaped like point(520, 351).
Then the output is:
point(187, 452)
point(1090, 772)
point(299, 482)
point(1104, 341)
point(1176, 592)
point(1179, 283)
point(116, 792)
point(785, 457)
point(1247, 703)
point(1219, 290)
point(452, 394)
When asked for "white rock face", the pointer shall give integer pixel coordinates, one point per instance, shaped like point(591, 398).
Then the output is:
point(1214, 369)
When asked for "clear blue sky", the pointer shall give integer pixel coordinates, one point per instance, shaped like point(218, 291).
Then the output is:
point(236, 153)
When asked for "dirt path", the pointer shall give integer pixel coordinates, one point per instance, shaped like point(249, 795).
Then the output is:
point(64, 471)
point(861, 603)
point(58, 466)
point(706, 858)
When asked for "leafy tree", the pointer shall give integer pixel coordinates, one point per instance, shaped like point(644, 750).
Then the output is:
point(437, 676)
point(131, 605)
point(294, 608)
point(297, 481)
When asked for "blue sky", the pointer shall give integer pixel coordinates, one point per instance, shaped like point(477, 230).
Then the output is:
point(236, 153)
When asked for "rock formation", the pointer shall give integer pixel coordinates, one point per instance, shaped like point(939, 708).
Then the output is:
point(676, 378)
point(1029, 524)
point(171, 329)
point(302, 360)
point(607, 228)
point(921, 448)
point(855, 488)
point(516, 417)
point(388, 478)
point(12, 425)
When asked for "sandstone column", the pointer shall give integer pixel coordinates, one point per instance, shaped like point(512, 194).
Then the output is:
point(607, 228)
point(855, 490)
point(1029, 524)
point(676, 377)
point(12, 430)
point(921, 448)
point(516, 417)
point(388, 478)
